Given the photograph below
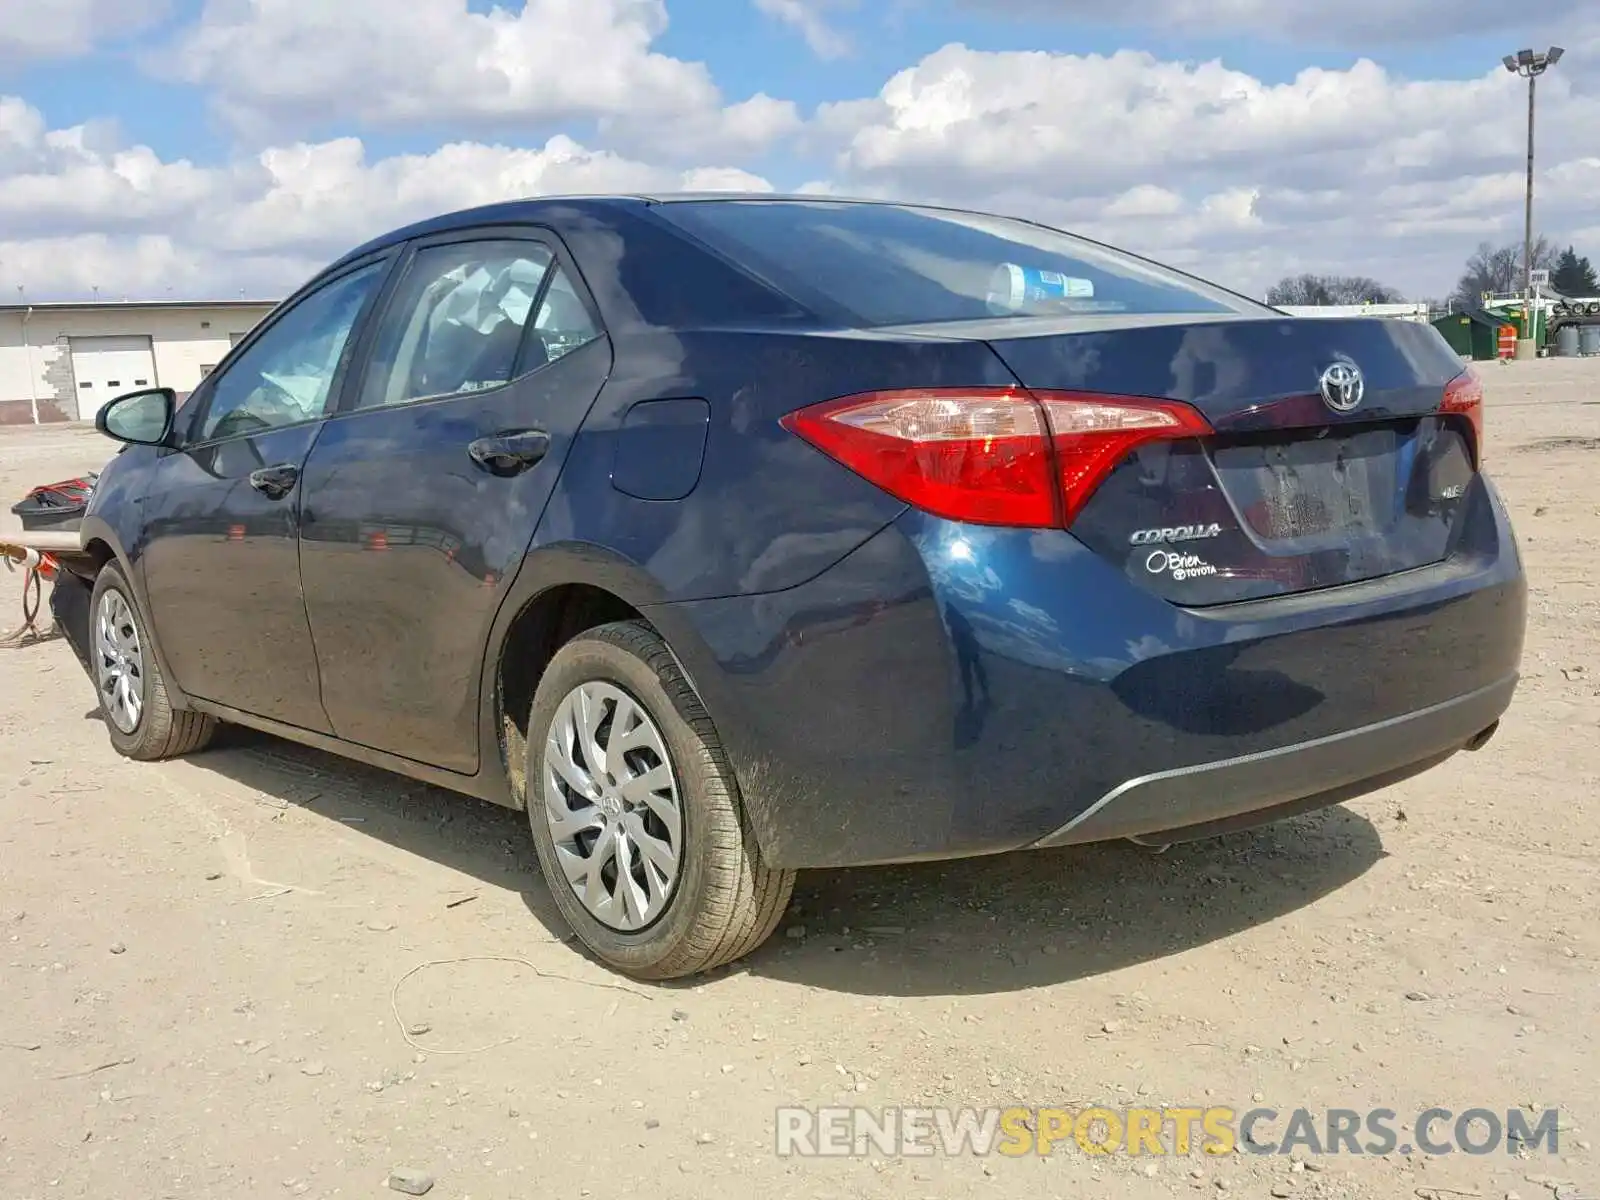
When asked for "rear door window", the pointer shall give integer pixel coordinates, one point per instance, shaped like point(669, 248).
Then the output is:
point(457, 321)
point(563, 323)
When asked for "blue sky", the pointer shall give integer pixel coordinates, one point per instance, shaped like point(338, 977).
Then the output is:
point(222, 139)
point(749, 51)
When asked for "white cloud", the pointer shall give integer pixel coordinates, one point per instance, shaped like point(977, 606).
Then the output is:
point(808, 17)
point(1104, 121)
point(1216, 170)
point(283, 66)
point(723, 179)
point(1145, 200)
point(147, 267)
point(1348, 22)
point(67, 181)
point(44, 29)
point(746, 128)
point(1357, 170)
point(78, 210)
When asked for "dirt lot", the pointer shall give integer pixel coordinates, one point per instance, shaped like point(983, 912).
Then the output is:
point(206, 966)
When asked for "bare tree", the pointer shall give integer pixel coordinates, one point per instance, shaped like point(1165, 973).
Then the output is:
point(1330, 289)
point(1500, 270)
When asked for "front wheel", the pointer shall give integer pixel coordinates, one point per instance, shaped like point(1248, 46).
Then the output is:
point(133, 697)
point(636, 814)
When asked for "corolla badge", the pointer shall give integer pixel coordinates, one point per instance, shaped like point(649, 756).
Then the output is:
point(1343, 386)
point(1174, 533)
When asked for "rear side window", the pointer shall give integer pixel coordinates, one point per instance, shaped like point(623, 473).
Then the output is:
point(456, 323)
point(899, 265)
point(563, 323)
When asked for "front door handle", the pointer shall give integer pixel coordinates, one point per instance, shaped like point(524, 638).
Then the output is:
point(275, 482)
point(510, 453)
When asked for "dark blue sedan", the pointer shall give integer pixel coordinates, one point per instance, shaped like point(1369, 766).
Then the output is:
point(735, 535)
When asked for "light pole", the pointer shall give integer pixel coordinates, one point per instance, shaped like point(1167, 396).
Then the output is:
point(1530, 64)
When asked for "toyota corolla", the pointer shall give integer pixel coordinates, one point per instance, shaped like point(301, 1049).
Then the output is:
point(731, 536)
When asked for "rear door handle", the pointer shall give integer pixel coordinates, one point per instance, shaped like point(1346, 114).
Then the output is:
point(510, 453)
point(275, 482)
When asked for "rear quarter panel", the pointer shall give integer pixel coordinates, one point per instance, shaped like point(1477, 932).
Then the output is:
point(768, 512)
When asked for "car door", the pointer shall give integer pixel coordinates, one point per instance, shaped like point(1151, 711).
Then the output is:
point(220, 552)
point(422, 495)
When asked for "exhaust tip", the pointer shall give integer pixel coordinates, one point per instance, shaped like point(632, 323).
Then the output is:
point(1482, 738)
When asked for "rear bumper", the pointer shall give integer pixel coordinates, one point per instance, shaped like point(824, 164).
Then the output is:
point(1187, 803)
point(950, 690)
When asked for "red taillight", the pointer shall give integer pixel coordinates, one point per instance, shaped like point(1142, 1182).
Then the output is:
point(1463, 396)
point(979, 455)
point(1092, 434)
point(991, 456)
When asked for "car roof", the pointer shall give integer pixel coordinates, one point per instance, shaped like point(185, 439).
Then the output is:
point(541, 207)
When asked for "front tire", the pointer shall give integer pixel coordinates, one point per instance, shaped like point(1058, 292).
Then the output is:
point(133, 696)
point(636, 813)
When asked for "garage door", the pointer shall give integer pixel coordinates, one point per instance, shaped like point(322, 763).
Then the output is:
point(106, 367)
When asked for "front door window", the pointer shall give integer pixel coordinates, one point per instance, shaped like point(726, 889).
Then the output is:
point(285, 376)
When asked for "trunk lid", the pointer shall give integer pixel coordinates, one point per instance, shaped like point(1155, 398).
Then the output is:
point(1297, 489)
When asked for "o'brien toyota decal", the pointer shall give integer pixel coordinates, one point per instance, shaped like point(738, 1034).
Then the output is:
point(1179, 566)
point(1175, 533)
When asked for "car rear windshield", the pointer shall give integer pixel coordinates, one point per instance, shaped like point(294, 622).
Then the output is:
point(886, 264)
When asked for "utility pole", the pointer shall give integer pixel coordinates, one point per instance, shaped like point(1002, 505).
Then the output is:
point(1530, 65)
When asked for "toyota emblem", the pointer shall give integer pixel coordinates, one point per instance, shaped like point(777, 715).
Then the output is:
point(1343, 386)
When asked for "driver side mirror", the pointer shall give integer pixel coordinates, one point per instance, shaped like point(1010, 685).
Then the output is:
point(142, 418)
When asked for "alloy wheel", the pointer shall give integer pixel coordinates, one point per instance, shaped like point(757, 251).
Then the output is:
point(119, 661)
point(612, 802)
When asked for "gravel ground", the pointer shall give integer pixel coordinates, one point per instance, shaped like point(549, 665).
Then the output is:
point(266, 971)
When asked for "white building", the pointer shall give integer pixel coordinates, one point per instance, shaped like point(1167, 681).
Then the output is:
point(1398, 312)
point(61, 362)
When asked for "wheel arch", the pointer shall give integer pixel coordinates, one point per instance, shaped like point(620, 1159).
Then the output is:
point(559, 592)
point(101, 545)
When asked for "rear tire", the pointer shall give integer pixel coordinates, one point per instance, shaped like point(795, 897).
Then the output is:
point(133, 695)
point(617, 694)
